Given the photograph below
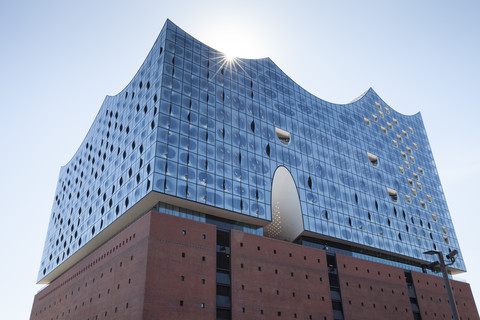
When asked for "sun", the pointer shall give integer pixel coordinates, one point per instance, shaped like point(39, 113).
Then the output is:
point(224, 61)
point(228, 57)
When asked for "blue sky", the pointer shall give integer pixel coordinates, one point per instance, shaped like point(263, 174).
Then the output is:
point(58, 60)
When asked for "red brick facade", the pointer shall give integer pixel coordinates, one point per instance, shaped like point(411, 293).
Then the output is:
point(180, 269)
point(164, 267)
point(107, 284)
point(160, 267)
point(273, 279)
point(433, 300)
point(372, 290)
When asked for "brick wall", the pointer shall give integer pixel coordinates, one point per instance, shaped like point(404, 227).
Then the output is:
point(276, 279)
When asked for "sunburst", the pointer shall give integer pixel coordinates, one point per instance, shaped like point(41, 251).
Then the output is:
point(227, 61)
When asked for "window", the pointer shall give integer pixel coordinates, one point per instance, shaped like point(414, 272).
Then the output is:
point(423, 204)
point(445, 238)
point(283, 136)
point(373, 159)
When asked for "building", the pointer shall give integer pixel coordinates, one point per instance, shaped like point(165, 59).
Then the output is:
point(219, 188)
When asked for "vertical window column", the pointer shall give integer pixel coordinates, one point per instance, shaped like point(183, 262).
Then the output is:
point(334, 287)
point(412, 295)
point(224, 292)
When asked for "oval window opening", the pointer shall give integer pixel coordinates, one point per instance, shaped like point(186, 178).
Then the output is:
point(373, 159)
point(283, 136)
point(393, 194)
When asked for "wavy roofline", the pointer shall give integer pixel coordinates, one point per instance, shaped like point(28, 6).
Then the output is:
point(359, 98)
point(362, 96)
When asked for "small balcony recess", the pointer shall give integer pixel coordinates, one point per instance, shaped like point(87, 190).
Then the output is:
point(393, 194)
point(373, 159)
point(283, 136)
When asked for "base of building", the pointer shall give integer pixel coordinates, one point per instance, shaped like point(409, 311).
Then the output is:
point(166, 267)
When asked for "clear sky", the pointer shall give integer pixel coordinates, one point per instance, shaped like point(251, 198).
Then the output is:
point(58, 60)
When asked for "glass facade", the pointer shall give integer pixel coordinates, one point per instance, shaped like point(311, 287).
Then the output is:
point(211, 131)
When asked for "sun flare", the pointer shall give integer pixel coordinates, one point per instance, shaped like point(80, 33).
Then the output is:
point(227, 62)
point(228, 57)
